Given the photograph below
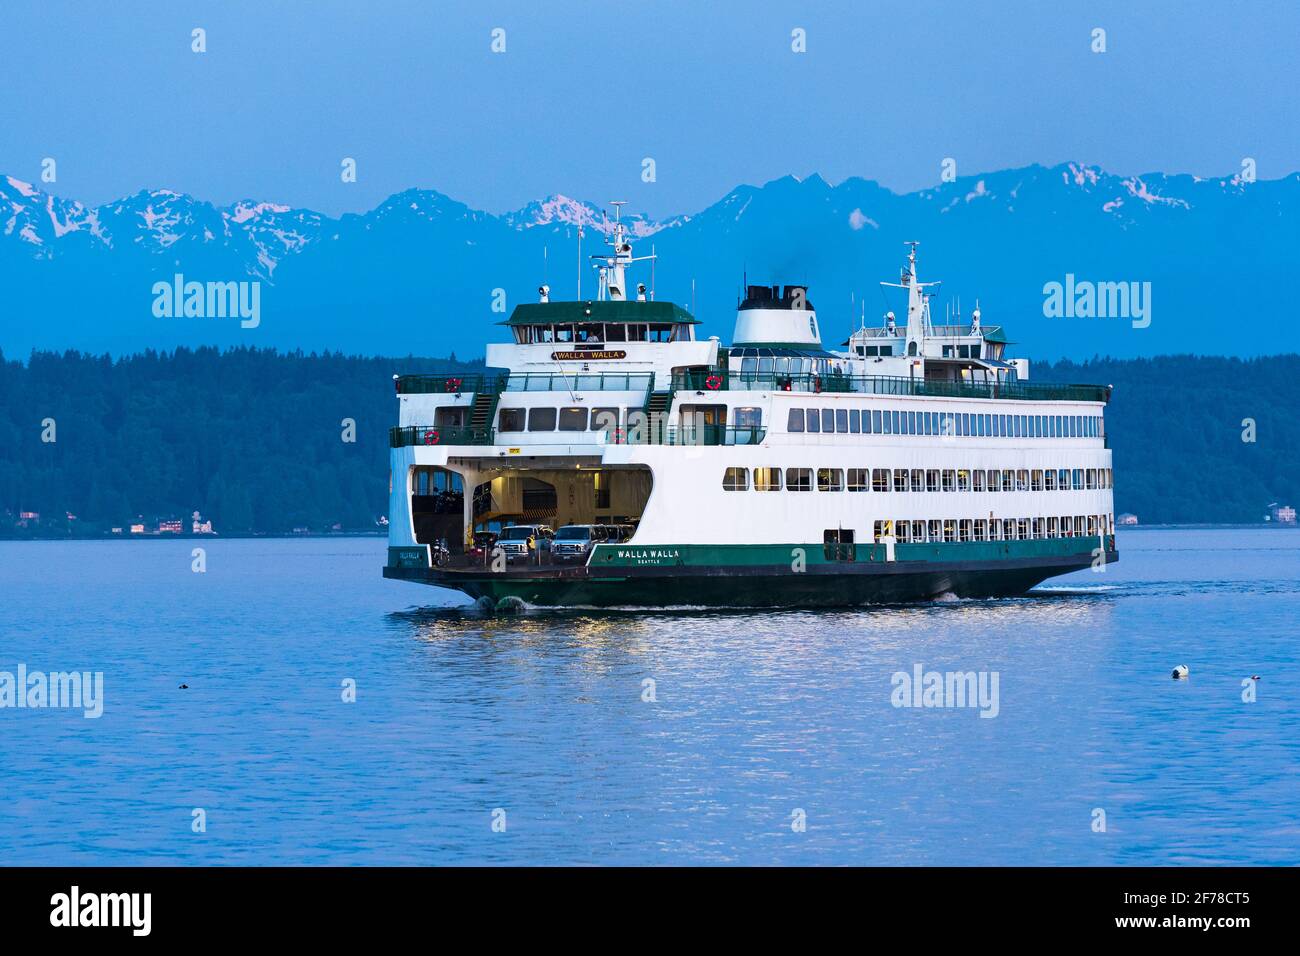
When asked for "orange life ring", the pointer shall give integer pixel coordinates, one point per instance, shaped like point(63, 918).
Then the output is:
point(431, 436)
point(817, 384)
point(713, 383)
point(453, 384)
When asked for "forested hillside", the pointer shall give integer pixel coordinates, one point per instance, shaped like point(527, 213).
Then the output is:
point(1176, 425)
point(250, 438)
point(253, 438)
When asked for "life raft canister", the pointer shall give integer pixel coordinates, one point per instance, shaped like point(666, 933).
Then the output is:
point(432, 437)
point(713, 383)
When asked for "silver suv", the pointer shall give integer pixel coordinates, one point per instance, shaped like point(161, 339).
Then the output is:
point(523, 542)
point(573, 542)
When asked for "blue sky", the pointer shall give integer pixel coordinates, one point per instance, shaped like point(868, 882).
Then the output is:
point(585, 91)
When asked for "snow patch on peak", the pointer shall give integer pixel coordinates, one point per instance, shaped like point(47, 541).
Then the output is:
point(978, 191)
point(24, 189)
point(1137, 188)
point(858, 219)
point(247, 209)
point(1081, 174)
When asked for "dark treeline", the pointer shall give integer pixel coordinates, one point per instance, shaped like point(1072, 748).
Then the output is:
point(250, 438)
point(253, 438)
point(1176, 426)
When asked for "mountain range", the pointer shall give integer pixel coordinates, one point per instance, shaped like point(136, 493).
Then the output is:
point(419, 274)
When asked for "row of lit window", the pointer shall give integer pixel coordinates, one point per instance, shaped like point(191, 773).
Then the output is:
point(584, 419)
point(995, 529)
point(884, 421)
point(919, 479)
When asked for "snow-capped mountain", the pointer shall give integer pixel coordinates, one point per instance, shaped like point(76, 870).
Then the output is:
point(561, 211)
point(421, 272)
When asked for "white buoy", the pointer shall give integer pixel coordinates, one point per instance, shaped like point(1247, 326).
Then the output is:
point(1180, 672)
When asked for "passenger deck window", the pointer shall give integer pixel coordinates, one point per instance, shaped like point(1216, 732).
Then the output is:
point(735, 479)
point(798, 479)
point(767, 479)
point(795, 422)
point(830, 479)
point(512, 420)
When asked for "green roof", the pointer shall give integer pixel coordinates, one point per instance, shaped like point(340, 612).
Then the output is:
point(559, 313)
point(995, 335)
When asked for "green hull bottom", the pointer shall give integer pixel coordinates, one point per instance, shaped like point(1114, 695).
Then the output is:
point(831, 584)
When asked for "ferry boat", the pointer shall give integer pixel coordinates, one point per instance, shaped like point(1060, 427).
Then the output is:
point(911, 462)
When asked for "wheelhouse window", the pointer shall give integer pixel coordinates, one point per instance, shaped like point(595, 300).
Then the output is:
point(541, 419)
point(573, 419)
point(735, 479)
point(767, 479)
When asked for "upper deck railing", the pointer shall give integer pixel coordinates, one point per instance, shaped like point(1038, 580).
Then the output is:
point(652, 432)
point(717, 379)
point(399, 437)
point(525, 382)
point(449, 383)
point(580, 382)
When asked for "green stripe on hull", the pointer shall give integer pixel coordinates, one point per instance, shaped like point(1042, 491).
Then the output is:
point(743, 555)
point(747, 575)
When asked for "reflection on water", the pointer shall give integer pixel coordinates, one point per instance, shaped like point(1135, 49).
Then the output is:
point(634, 736)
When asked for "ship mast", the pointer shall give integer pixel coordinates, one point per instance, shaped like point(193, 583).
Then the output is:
point(918, 304)
point(611, 267)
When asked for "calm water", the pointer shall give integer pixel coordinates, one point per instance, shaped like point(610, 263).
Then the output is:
point(541, 714)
